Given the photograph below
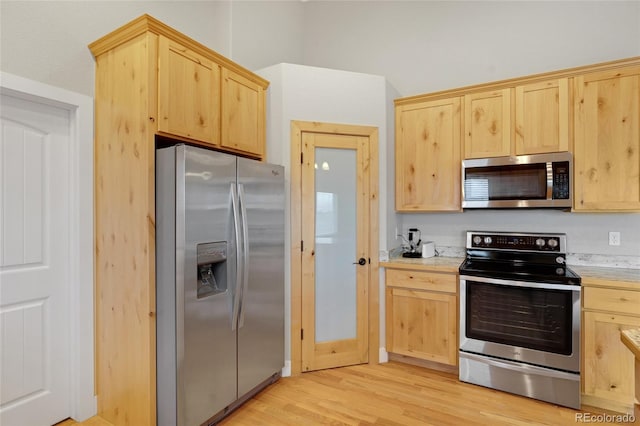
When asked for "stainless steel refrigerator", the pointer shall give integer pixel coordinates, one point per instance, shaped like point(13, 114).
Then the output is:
point(220, 282)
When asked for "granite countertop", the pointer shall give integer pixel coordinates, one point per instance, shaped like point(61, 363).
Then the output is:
point(593, 275)
point(600, 275)
point(631, 339)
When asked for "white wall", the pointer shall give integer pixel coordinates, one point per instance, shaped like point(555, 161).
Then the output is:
point(419, 46)
point(393, 220)
point(47, 40)
point(318, 94)
point(587, 233)
point(264, 33)
point(425, 46)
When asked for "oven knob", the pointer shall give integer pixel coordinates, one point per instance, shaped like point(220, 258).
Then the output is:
point(477, 239)
point(487, 240)
point(560, 259)
point(540, 242)
point(553, 243)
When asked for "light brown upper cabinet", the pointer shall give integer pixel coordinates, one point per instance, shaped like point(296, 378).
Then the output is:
point(527, 119)
point(428, 155)
point(487, 124)
point(243, 114)
point(607, 140)
point(542, 117)
point(196, 94)
point(188, 93)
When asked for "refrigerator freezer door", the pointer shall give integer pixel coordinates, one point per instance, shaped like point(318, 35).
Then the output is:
point(196, 246)
point(261, 322)
point(208, 365)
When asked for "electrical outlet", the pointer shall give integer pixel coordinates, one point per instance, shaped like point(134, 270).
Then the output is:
point(614, 238)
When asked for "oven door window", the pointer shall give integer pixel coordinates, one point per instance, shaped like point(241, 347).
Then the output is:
point(526, 317)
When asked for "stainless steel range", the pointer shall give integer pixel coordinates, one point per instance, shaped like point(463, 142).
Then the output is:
point(520, 316)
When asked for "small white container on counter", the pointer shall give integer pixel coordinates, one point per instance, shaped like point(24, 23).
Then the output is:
point(428, 249)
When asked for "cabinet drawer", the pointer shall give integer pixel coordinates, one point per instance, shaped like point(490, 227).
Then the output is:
point(605, 299)
point(422, 280)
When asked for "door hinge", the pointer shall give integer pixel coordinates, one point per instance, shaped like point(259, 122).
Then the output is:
point(301, 245)
point(302, 334)
point(369, 260)
point(301, 158)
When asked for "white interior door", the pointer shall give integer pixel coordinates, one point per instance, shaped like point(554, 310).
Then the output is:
point(34, 263)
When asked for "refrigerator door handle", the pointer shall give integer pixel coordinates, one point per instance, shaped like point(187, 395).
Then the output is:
point(237, 291)
point(245, 251)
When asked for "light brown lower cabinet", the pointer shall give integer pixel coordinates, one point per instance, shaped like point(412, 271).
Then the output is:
point(607, 375)
point(422, 315)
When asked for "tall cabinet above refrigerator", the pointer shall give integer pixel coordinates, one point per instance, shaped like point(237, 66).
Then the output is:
point(220, 282)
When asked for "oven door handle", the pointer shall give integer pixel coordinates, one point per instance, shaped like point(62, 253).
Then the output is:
point(520, 367)
point(498, 281)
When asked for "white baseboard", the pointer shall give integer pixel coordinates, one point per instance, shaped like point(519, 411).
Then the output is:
point(383, 356)
point(286, 370)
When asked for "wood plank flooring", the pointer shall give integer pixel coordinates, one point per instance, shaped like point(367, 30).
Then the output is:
point(93, 421)
point(393, 394)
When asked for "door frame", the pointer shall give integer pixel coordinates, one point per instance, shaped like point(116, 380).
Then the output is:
point(80, 187)
point(297, 128)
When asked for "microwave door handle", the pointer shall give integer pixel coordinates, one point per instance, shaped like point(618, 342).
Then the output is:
point(549, 180)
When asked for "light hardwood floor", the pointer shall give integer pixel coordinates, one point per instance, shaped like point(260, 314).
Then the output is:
point(392, 394)
point(389, 394)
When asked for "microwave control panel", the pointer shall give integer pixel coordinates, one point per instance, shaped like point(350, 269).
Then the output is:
point(561, 180)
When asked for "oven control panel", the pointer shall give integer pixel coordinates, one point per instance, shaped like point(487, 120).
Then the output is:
point(554, 243)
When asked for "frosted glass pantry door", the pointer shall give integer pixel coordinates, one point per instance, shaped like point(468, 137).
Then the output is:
point(335, 244)
point(335, 262)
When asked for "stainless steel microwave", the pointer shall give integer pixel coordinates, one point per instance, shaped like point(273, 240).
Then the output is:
point(533, 181)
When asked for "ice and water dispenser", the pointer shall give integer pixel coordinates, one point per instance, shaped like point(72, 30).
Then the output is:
point(212, 268)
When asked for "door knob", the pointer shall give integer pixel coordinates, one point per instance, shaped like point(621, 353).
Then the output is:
point(361, 261)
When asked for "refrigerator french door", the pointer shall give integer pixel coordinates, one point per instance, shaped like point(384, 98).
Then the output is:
point(220, 282)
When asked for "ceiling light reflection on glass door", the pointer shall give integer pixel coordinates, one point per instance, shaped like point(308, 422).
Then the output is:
point(324, 166)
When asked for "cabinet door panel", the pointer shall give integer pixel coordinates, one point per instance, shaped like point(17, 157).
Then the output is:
point(608, 364)
point(607, 134)
point(243, 114)
point(428, 156)
point(542, 117)
point(188, 93)
point(424, 325)
point(487, 124)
